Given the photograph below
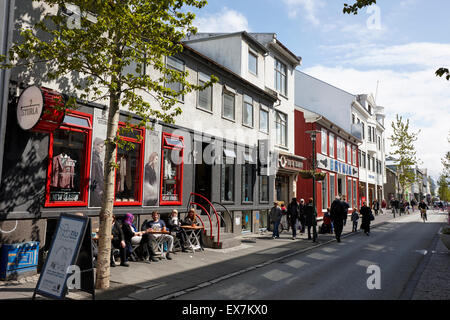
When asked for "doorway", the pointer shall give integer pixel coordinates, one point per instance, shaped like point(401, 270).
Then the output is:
point(203, 176)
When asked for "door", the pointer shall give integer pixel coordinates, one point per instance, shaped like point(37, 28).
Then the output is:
point(203, 174)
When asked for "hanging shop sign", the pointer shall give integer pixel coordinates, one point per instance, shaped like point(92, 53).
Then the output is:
point(39, 109)
point(327, 163)
point(290, 162)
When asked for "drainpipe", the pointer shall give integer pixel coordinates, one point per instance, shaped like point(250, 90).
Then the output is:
point(7, 11)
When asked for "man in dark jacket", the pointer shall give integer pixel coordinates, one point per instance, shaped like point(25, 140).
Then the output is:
point(301, 210)
point(275, 217)
point(293, 212)
point(346, 207)
point(118, 241)
point(311, 219)
point(337, 214)
point(366, 214)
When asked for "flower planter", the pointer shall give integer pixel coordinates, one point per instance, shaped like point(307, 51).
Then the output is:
point(445, 238)
point(306, 174)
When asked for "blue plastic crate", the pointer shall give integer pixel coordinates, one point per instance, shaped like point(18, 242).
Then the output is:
point(18, 258)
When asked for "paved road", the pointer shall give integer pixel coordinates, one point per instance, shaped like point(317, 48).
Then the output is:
point(339, 270)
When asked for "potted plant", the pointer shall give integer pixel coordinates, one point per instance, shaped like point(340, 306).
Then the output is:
point(306, 174)
point(444, 234)
point(320, 176)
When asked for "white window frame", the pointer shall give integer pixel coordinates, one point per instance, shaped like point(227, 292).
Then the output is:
point(278, 128)
point(340, 149)
point(174, 66)
point(349, 153)
point(280, 81)
point(246, 102)
point(325, 196)
point(331, 145)
point(228, 93)
point(262, 109)
point(323, 141)
point(203, 78)
point(253, 54)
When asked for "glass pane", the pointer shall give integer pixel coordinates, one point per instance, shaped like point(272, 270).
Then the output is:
point(204, 98)
point(252, 63)
point(228, 182)
point(324, 194)
point(128, 174)
point(228, 106)
point(246, 221)
point(248, 114)
point(174, 142)
point(171, 175)
point(68, 162)
point(76, 121)
point(264, 121)
point(264, 188)
point(247, 180)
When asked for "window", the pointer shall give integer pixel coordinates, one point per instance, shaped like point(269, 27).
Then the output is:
point(280, 77)
point(228, 105)
point(324, 142)
point(227, 189)
point(373, 164)
point(340, 149)
point(69, 158)
point(353, 155)
point(379, 142)
point(264, 189)
point(354, 194)
point(369, 128)
point(363, 160)
point(253, 62)
point(281, 128)
point(172, 170)
point(332, 188)
point(263, 120)
point(248, 178)
point(368, 162)
point(128, 181)
point(325, 193)
point(178, 65)
point(248, 111)
point(331, 145)
point(363, 130)
point(349, 153)
point(349, 192)
point(204, 96)
point(359, 158)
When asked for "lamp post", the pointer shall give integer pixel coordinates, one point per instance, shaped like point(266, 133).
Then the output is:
point(313, 134)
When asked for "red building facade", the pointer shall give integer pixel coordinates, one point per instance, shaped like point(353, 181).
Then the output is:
point(336, 156)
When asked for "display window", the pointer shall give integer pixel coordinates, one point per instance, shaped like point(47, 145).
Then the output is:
point(172, 169)
point(129, 159)
point(69, 158)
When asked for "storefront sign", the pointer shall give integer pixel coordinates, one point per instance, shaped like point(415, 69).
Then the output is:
point(289, 162)
point(64, 196)
point(29, 107)
point(327, 163)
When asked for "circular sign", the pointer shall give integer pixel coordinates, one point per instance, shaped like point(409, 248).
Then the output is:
point(29, 107)
point(282, 161)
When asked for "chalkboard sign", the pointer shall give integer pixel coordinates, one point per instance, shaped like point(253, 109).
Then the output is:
point(71, 245)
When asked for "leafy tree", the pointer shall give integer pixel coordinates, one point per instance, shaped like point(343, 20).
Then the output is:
point(106, 54)
point(403, 143)
point(444, 190)
point(446, 161)
point(359, 4)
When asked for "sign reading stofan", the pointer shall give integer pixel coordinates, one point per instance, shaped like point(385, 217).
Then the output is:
point(29, 107)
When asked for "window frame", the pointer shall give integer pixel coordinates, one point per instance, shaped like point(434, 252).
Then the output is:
point(323, 141)
point(254, 55)
point(277, 113)
point(140, 172)
point(244, 104)
point(179, 184)
point(261, 109)
point(279, 75)
point(226, 92)
point(253, 177)
point(169, 66)
point(260, 189)
point(201, 77)
point(324, 186)
point(222, 180)
point(85, 181)
point(331, 145)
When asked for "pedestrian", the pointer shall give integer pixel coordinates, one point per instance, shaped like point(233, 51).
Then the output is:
point(401, 207)
point(366, 214)
point(284, 220)
point(346, 207)
point(375, 206)
point(355, 218)
point(413, 204)
point(407, 207)
point(302, 215)
point(275, 217)
point(311, 219)
point(383, 206)
point(326, 225)
point(337, 214)
point(293, 213)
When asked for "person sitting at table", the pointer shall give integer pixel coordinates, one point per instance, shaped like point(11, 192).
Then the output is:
point(117, 241)
point(157, 225)
point(133, 237)
point(174, 225)
point(191, 220)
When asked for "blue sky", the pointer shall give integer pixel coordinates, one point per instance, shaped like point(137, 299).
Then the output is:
point(398, 44)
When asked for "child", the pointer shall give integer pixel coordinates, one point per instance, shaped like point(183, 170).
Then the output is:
point(355, 218)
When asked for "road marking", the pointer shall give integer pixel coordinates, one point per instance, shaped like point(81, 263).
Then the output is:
point(424, 252)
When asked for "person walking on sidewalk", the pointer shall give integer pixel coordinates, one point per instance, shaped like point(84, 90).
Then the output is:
point(346, 207)
point(275, 217)
point(366, 214)
point(383, 206)
point(311, 219)
point(337, 213)
point(375, 206)
point(302, 219)
point(293, 211)
point(355, 218)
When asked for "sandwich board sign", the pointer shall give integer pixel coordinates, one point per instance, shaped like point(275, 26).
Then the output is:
point(71, 241)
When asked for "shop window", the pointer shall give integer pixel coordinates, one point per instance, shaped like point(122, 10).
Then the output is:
point(354, 192)
point(129, 158)
point(264, 189)
point(349, 193)
point(263, 219)
point(246, 221)
point(69, 158)
point(228, 167)
point(172, 170)
point(325, 194)
point(248, 176)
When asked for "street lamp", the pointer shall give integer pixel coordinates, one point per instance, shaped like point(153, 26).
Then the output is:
point(313, 134)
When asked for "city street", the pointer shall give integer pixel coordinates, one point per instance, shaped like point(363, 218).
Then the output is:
point(339, 270)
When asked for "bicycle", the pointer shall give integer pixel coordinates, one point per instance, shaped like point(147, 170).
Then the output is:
point(423, 214)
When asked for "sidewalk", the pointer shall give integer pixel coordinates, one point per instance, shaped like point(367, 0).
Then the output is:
point(187, 271)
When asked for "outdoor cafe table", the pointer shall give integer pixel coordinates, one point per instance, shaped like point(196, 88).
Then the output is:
point(159, 240)
point(193, 235)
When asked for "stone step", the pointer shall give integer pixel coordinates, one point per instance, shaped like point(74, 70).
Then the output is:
point(227, 240)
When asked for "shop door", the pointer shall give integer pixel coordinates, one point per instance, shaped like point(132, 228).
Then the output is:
point(203, 174)
point(282, 189)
